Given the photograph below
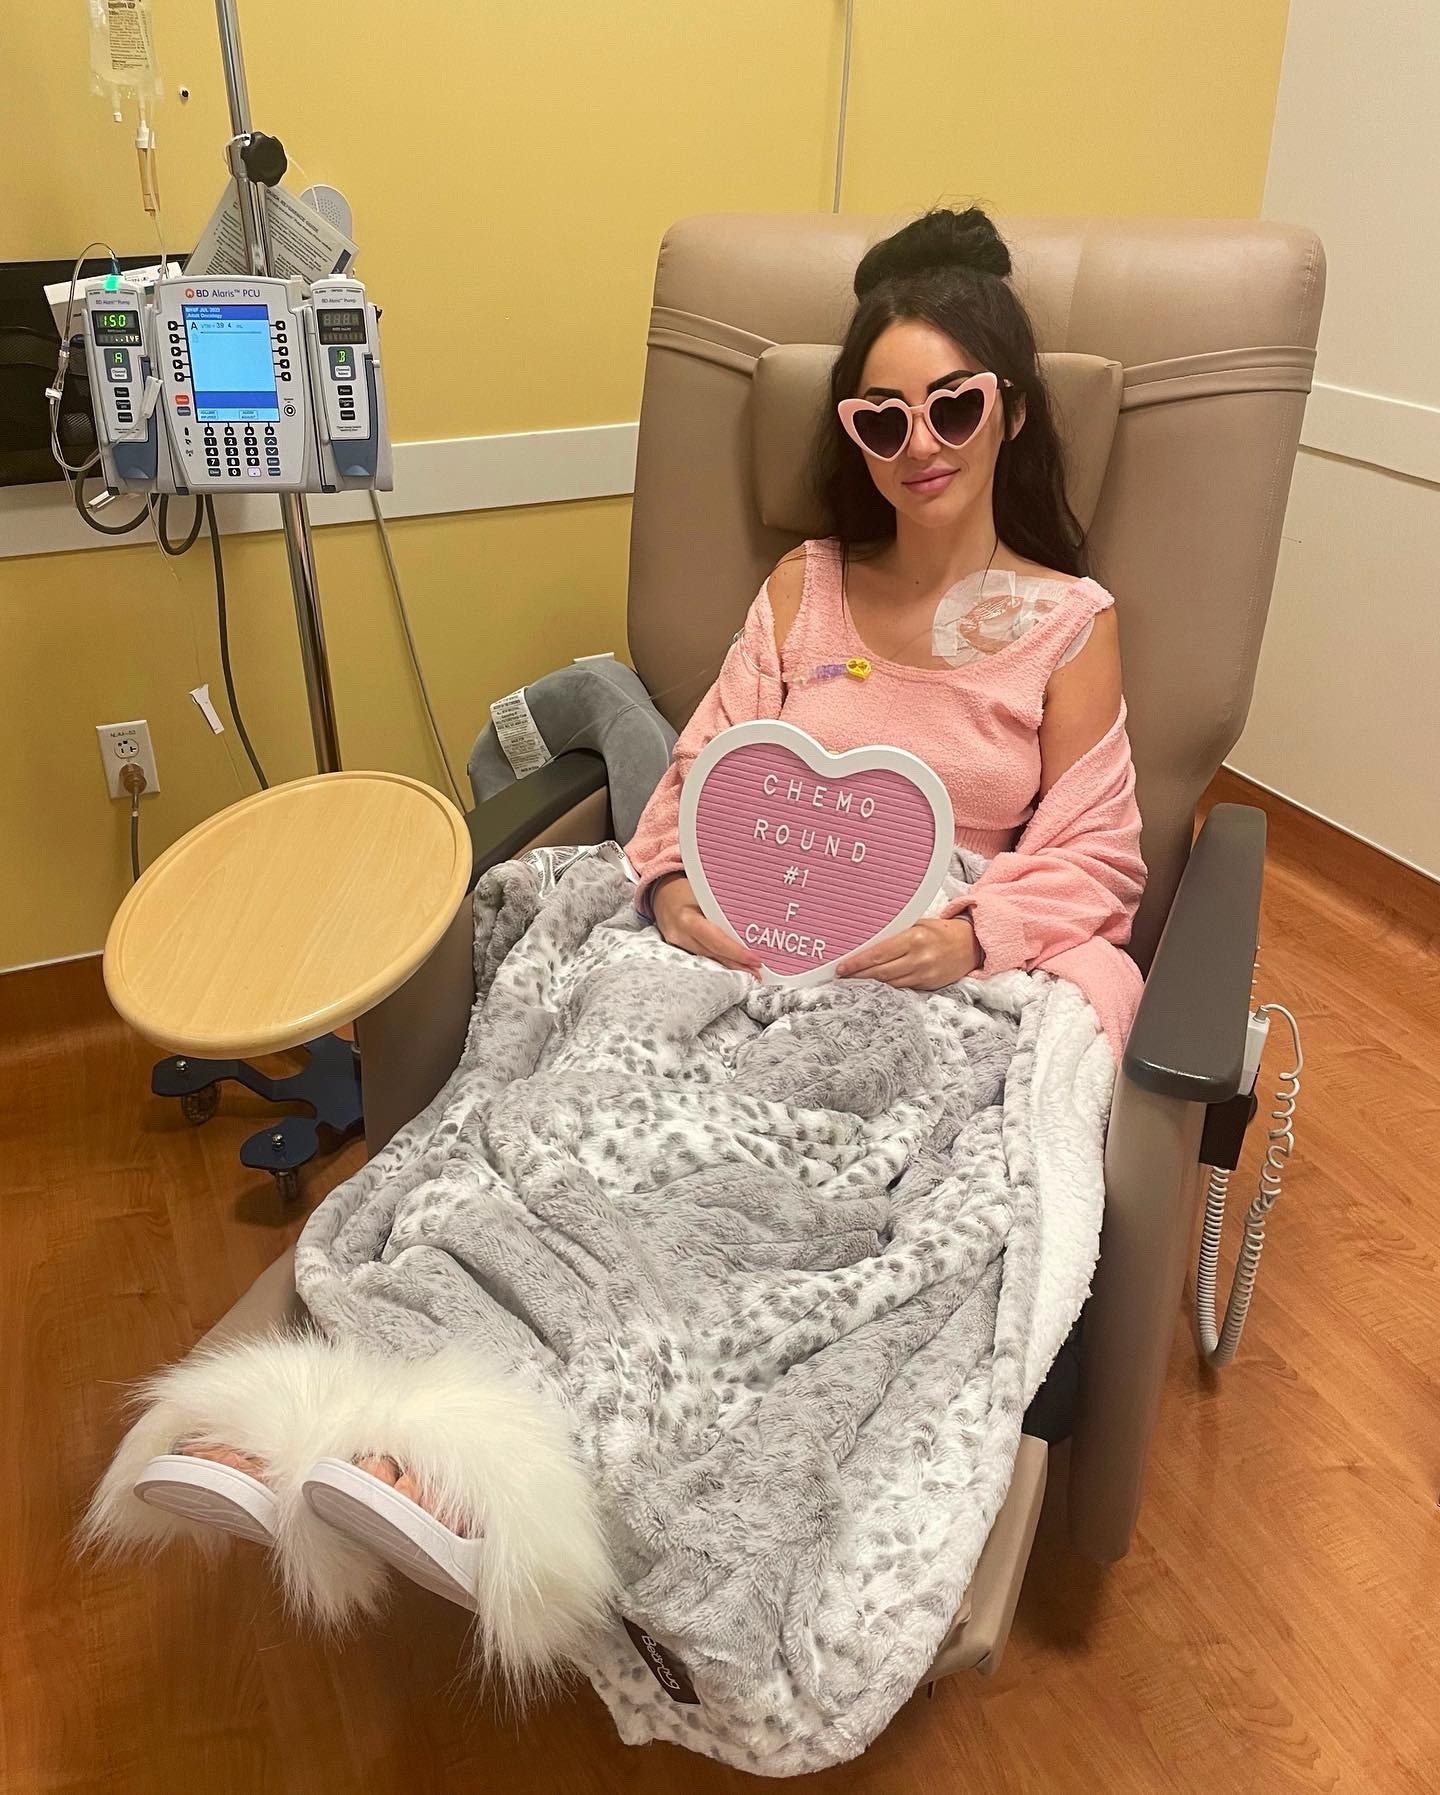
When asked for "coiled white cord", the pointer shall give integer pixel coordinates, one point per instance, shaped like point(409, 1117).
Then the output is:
point(1218, 1344)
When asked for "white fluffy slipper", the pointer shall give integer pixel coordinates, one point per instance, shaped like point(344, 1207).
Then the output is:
point(493, 1448)
point(375, 1515)
point(215, 1495)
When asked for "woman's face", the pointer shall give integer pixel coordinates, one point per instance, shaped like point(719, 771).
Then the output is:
point(929, 482)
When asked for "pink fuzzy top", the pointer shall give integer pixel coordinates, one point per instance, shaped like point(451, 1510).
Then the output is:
point(1065, 876)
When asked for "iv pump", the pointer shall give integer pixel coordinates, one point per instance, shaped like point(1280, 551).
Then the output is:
point(243, 383)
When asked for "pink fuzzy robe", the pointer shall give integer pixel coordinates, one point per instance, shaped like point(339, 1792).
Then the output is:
point(1065, 876)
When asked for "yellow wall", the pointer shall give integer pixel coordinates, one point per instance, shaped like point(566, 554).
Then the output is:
point(1049, 106)
point(536, 154)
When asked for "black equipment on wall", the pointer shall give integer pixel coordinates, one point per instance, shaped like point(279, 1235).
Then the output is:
point(29, 345)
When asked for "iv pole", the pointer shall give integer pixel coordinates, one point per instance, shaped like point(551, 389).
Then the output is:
point(294, 514)
point(330, 1079)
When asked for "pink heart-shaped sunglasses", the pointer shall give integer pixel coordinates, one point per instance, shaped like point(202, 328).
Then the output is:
point(954, 415)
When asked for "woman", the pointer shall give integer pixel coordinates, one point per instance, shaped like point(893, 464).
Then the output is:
point(950, 615)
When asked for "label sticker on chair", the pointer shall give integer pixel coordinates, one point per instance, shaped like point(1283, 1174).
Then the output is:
point(520, 738)
point(665, 1667)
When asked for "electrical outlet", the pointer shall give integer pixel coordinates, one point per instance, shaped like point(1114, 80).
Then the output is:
point(124, 744)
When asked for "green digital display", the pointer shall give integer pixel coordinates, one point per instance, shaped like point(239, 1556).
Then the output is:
point(116, 329)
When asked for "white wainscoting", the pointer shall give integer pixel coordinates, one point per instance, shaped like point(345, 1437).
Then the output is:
point(464, 473)
point(1344, 720)
point(543, 467)
point(1399, 435)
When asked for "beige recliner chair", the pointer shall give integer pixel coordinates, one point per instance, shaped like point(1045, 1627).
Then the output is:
point(1180, 355)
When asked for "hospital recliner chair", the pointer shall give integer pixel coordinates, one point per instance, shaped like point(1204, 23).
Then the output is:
point(1179, 355)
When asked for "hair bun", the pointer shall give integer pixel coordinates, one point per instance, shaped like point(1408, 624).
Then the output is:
point(936, 240)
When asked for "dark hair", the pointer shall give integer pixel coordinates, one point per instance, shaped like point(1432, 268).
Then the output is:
point(948, 269)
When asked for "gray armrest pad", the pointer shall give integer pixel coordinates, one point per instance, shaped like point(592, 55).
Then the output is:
point(1189, 1035)
point(504, 823)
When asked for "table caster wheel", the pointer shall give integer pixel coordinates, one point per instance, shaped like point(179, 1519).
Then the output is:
point(287, 1184)
point(199, 1106)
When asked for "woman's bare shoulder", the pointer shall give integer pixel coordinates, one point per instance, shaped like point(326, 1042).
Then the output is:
point(786, 587)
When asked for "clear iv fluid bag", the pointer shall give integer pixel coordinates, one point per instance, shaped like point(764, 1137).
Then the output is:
point(122, 49)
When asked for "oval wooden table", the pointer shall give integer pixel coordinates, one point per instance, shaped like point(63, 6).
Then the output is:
point(275, 922)
point(287, 914)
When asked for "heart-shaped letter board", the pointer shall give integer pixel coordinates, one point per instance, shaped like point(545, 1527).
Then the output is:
point(807, 856)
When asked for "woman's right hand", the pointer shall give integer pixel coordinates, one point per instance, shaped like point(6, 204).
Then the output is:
point(684, 924)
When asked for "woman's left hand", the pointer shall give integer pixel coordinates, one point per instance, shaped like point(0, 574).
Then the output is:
point(932, 953)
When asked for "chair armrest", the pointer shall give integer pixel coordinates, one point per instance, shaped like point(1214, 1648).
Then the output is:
point(1188, 1040)
point(507, 822)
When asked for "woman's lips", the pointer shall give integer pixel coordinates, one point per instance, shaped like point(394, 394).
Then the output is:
point(930, 483)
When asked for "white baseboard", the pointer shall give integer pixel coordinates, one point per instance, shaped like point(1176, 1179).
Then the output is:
point(1320, 816)
point(463, 473)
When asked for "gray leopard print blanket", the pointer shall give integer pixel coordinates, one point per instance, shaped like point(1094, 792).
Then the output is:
point(793, 1262)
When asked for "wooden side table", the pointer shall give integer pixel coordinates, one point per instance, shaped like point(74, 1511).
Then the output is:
point(276, 921)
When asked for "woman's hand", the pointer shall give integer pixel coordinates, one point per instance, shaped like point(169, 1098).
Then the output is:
point(684, 924)
point(934, 952)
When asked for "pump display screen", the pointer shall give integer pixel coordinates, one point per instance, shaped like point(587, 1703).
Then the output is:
point(231, 366)
point(116, 330)
point(346, 326)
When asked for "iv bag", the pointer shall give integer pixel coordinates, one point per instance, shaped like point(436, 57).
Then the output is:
point(122, 49)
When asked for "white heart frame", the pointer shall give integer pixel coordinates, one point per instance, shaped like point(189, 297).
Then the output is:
point(823, 764)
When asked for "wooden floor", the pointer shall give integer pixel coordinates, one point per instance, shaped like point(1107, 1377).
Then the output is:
point(1276, 1626)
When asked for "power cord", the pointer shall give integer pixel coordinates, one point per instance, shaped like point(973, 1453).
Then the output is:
point(159, 514)
point(404, 611)
point(162, 534)
point(222, 623)
point(132, 778)
point(77, 492)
